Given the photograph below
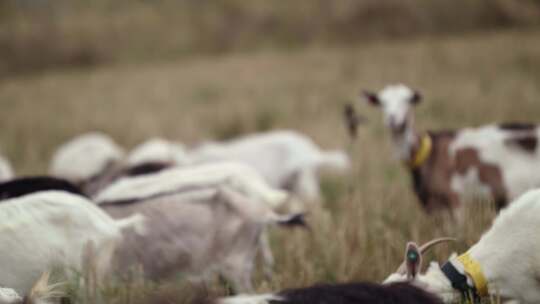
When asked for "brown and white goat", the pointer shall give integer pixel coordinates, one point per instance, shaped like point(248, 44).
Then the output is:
point(496, 162)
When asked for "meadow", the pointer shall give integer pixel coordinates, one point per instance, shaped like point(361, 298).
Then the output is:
point(359, 232)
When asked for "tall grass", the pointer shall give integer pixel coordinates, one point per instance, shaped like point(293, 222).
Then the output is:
point(361, 231)
point(46, 34)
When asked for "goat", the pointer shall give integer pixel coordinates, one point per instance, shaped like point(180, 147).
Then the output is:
point(286, 159)
point(90, 160)
point(52, 228)
point(176, 180)
point(196, 233)
point(40, 293)
point(157, 150)
point(448, 168)
point(6, 172)
point(27, 185)
point(504, 263)
point(350, 293)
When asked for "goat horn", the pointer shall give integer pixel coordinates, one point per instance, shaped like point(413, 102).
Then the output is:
point(424, 248)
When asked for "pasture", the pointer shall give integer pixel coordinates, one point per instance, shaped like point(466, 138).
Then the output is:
point(360, 231)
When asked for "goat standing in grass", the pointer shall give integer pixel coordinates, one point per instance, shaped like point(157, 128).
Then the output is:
point(90, 160)
point(286, 159)
point(448, 168)
point(196, 232)
point(52, 228)
point(504, 263)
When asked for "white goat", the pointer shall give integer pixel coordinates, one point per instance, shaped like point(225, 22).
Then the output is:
point(6, 172)
point(286, 159)
point(52, 228)
point(504, 263)
point(197, 233)
point(86, 157)
point(157, 150)
point(239, 176)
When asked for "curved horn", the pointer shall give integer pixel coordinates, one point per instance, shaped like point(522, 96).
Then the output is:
point(402, 269)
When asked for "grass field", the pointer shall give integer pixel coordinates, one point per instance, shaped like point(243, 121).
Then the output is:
point(361, 231)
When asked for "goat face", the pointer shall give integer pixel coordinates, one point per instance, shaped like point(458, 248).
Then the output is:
point(433, 280)
point(396, 102)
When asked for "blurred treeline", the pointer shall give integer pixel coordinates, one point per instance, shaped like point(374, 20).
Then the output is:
point(42, 34)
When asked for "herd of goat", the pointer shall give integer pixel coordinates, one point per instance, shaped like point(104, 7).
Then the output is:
point(165, 209)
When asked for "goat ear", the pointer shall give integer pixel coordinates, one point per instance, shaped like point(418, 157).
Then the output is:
point(371, 98)
point(413, 260)
point(416, 98)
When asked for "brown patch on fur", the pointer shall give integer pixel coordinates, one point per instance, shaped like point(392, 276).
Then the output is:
point(527, 143)
point(488, 174)
point(517, 126)
point(432, 180)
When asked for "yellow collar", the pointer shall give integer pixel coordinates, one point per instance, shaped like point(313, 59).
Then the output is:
point(474, 270)
point(420, 157)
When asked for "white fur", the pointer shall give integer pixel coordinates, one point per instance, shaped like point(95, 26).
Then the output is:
point(52, 228)
point(202, 182)
point(239, 176)
point(395, 101)
point(6, 172)
point(283, 158)
point(158, 150)
point(9, 296)
point(469, 186)
point(508, 253)
point(249, 299)
point(520, 169)
point(85, 156)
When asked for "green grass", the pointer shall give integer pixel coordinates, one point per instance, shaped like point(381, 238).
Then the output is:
point(359, 234)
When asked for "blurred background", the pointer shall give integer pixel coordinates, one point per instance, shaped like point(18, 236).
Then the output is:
point(38, 35)
point(200, 69)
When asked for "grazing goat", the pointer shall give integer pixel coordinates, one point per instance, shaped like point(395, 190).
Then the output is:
point(496, 162)
point(196, 233)
point(178, 180)
point(286, 159)
point(26, 185)
point(41, 293)
point(504, 263)
point(157, 150)
point(90, 160)
point(350, 293)
point(6, 172)
point(53, 228)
